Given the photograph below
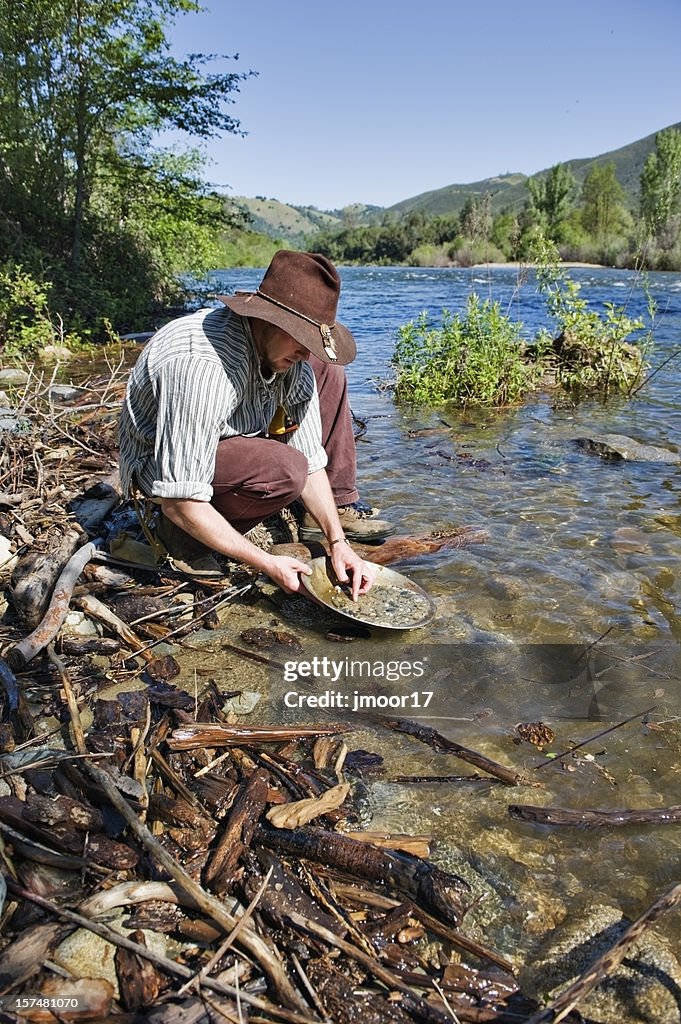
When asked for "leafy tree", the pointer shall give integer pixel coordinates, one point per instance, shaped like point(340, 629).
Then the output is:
point(551, 197)
point(476, 218)
point(506, 234)
point(661, 181)
point(601, 202)
point(84, 86)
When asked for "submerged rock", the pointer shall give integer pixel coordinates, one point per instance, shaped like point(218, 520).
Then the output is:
point(644, 987)
point(616, 447)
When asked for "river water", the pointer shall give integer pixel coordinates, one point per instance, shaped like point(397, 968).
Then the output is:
point(568, 614)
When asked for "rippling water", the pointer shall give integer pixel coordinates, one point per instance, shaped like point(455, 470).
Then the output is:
point(589, 545)
point(569, 613)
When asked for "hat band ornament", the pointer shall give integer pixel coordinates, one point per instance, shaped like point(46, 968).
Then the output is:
point(324, 329)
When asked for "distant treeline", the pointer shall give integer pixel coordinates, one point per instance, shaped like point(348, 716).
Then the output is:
point(589, 223)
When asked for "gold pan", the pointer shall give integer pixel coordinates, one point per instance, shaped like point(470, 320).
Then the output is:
point(394, 601)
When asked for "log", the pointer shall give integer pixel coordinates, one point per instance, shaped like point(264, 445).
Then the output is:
point(19, 656)
point(440, 893)
point(34, 576)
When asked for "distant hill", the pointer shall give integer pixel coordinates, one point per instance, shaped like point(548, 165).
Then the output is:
point(509, 191)
point(295, 224)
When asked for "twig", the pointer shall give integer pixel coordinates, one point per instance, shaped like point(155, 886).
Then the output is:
point(188, 627)
point(607, 963)
point(76, 724)
point(604, 732)
point(438, 742)
point(372, 899)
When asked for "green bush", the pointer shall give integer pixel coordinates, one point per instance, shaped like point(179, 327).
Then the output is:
point(474, 358)
point(594, 351)
point(26, 323)
point(429, 255)
point(469, 253)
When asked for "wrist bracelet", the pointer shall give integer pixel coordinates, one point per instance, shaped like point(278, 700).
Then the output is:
point(338, 540)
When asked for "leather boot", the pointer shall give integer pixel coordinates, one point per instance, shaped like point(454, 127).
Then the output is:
point(356, 524)
point(188, 555)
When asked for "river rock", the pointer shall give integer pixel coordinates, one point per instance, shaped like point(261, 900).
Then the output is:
point(88, 955)
point(13, 377)
point(66, 393)
point(642, 988)
point(615, 447)
point(13, 424)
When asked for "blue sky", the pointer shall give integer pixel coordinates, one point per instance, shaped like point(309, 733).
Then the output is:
point(378, 101)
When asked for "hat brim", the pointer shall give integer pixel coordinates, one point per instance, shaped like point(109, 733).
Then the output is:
point(251, 304)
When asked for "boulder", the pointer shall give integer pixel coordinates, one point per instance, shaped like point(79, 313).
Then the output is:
point(616, 447)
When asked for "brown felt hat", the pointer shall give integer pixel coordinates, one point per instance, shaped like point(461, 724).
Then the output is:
point(299, 293)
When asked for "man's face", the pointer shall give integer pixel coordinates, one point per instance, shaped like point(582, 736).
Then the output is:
point(278, 351)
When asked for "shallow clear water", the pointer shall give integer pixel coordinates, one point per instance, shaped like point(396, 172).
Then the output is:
point(570, 613)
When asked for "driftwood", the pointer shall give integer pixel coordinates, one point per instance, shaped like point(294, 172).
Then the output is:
point(95, 608)
point(259, 948)
point(584, 818)
point(33, 578)
point(440, 893)
point(20, 655)
point(394, 549)
point(238, 831)
point(418, 1007)
point(205, 734)
point(25, 956)
point(172, 967)
point(372, 899)
point(438, 742)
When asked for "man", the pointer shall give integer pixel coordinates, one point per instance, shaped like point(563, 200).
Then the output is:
point(205, 403)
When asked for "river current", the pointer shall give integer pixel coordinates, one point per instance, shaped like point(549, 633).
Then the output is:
point(568, 614)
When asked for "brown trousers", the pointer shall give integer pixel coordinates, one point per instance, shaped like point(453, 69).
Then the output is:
point(258, 476)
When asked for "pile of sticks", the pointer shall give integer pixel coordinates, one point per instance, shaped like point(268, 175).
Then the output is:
point(184, 820)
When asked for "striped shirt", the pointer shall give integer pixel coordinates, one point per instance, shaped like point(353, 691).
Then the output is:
point(197, 381)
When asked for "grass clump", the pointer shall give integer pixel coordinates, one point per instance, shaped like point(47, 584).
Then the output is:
point(472, 358)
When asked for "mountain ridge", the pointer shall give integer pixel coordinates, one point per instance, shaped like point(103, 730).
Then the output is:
point(294, 224)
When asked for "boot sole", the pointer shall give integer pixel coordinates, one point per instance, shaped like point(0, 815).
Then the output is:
point(308, 533)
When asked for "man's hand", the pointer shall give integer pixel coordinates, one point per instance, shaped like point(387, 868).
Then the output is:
point(286, 572)
point(348, 566)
